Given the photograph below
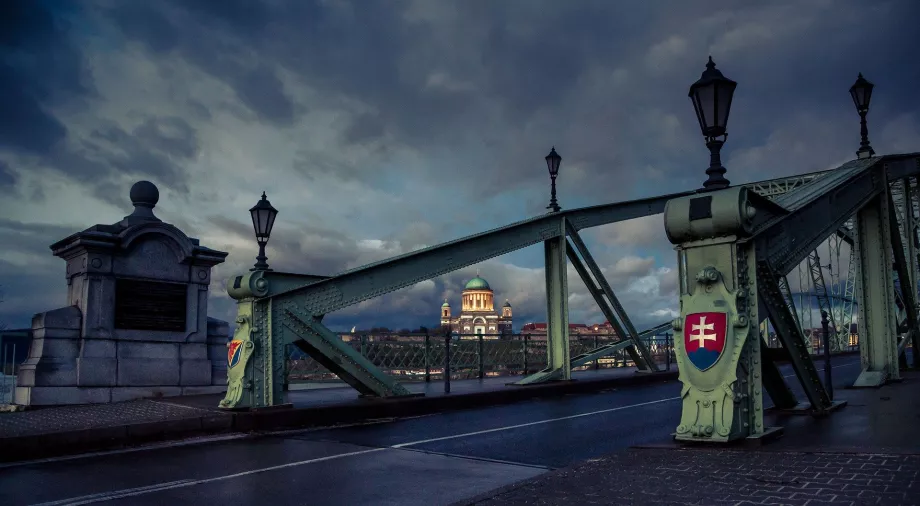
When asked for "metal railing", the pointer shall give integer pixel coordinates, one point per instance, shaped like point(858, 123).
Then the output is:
point(421, 357)
point(8, 370)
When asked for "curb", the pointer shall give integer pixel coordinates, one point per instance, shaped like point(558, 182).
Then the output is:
point(121, 436)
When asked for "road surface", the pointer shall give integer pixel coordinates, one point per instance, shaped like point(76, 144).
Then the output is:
point(429, 460)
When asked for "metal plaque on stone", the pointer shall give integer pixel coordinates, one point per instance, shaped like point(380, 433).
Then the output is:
point(150, 305)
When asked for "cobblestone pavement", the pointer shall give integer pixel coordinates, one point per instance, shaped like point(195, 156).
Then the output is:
point(67, 418)
point(722, 477)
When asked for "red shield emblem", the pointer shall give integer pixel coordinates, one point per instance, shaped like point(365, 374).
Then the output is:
point(233, 352)
point(704, 338)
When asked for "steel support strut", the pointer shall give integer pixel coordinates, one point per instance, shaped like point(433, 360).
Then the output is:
point(265, 326)
point(906, 274)
point(639, 352)
point(791, 337)
point(557, 312)
point(910, 262)
point(878, 346)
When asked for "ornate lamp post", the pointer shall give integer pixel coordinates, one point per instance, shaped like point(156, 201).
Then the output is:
point(861, 91)
point(552, 163)
point(263, 218)
point(712, 101)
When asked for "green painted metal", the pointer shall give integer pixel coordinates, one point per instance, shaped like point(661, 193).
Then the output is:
point(787, 298)
point(878, 345)
point(240, 373)
point(791, 336)
point(815, 211)
point(773, 381)
point(820, 287)
point(327, 348)
point(257, 354)
point(910, 261)
point(639, 353)
point(600, 352)
point(724, 401)
point(557, 311)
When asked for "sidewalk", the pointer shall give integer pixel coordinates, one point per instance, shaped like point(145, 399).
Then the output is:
point(54, 431)
point(866, 453)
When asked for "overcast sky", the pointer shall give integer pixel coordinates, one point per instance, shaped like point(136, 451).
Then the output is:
point(379, 127)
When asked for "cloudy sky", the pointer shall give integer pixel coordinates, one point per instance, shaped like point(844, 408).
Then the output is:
point(379, 127)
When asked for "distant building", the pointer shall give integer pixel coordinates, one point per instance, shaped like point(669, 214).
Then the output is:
point(477, 311)
point(539, 329)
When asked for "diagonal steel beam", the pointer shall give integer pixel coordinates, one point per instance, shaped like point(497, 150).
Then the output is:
point(357, 285)
point(816, 211)
point(641, 356)
point(817, 279)
point(791, 337)
point(790, 302)
point(905, 274)
point(327, 348)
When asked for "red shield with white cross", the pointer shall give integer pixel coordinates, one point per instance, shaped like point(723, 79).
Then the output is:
point(704, 338)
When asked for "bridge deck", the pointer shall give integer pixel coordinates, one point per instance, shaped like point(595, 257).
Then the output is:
point(59, 430)
point(867, 453)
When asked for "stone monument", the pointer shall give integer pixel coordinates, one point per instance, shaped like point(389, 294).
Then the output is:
point(136, 323)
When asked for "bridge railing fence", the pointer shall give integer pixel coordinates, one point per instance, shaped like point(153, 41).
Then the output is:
point(421, 357)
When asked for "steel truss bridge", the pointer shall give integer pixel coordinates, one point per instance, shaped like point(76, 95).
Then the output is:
point(865, 210)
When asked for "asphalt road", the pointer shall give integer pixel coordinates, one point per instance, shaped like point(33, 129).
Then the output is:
point(430, 460)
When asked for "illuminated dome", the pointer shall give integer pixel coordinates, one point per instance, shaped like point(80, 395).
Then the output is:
point(477, 283)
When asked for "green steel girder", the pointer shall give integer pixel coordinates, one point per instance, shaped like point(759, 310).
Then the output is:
point(331, 352)
point(557, 312)
point(787, 297)
point(639, 353)
point(817, 279)
point(905, 273)
point(846, 234)
point(816, 211)
point(363, 283)
point(773, 381)
point(789, 334)
point(878, 331)
point(609, 349)
point(909, 262)
point(600, 352)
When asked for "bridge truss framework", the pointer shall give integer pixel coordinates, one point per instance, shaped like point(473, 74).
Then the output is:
point(869, 204)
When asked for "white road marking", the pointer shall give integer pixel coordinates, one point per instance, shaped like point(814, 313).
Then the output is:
point(133, 492)
point(104, 496)
point(530, 424)
point(155, 446)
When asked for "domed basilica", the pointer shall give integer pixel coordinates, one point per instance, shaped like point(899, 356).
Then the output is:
point(477, 311)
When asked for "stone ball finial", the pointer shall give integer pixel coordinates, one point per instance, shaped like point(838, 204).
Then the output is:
point(144, 194)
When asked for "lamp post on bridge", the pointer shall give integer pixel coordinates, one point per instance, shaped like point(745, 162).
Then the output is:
point(263, 219)
point(861, 91)
point(712, 100)
point(552, 164)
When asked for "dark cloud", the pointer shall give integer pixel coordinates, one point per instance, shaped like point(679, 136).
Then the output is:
point(157, 148)
point(432, 119)
point(39, 65)
point(7, 177)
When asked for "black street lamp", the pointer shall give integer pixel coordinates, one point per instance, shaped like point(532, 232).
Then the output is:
point(552, 163)
point(263, 219)
point(712, 101)
point(861, 91)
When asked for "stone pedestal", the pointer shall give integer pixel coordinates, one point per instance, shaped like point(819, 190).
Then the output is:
point(136, 323)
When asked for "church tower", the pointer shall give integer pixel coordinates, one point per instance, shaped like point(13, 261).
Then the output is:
point(445, 313)
point(505, 322)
